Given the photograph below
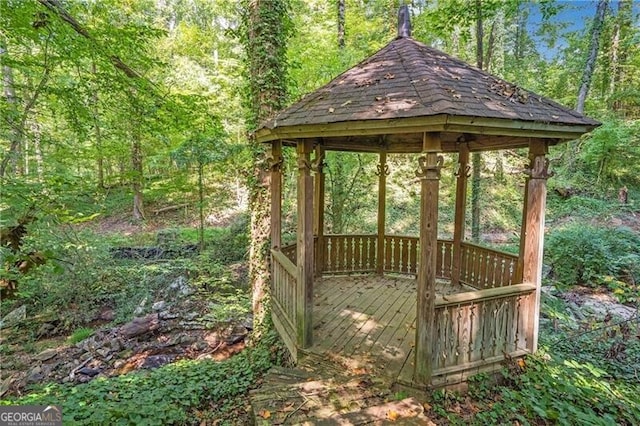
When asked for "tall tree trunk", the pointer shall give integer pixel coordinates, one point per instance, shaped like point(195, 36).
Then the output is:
point(619, 49)
point(476, 161)
point(11, 157)
point(137, 178)
point(341, 23)
point(97, 132)
point(265, 44)
point(594, 45)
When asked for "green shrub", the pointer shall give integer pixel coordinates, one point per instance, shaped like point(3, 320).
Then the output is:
point(585, 254)
point(79, 335)
point(167, 395)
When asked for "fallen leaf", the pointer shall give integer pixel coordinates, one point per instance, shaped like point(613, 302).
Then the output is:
point(426, 406)
point(389, 76)
point(288, 408)
point(265, 414)
point(393, 415)
point(345, 103)
point(331, 110)
point(521, 363)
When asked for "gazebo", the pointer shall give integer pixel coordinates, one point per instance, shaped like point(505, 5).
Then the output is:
point(363, 295)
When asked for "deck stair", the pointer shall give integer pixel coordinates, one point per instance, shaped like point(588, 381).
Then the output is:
point(321, 391)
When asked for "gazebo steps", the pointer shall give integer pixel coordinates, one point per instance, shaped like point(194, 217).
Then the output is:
point(322, 392)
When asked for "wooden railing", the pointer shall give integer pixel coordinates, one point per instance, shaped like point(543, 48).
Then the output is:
point(349, 253)
point(481, 267)
point(291, 252)
point(477, 328)
point(283, 297)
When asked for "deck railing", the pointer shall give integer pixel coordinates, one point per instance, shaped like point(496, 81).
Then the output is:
point(482, 267)
point(477, 329)
point(349, 253)
point(283, 297)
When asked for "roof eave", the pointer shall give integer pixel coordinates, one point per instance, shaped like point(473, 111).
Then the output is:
point(437, 123)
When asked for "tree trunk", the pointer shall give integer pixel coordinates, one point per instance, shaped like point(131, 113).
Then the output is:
point(201, 204)
point(16, 133)
point(265, 45)
point(97, 133)
point(476, 161)
point(594, 45)
point(619, 49)
point(137, 176)
point(341, 22)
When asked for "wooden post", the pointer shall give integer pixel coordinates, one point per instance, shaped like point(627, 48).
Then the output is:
point(276, 194)
point(304, 290)
point(533, 238)
point(461, 205)
point(383, 172)
point(318, 203)
point(429, 173)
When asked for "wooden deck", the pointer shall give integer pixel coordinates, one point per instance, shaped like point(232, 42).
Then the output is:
point(368, 321)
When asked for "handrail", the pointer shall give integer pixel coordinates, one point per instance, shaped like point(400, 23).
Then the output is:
point(285, 262)
point(481, 247)
point(481, 295)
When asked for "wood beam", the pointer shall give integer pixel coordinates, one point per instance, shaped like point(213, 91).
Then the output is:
point(460, 208)
point(383, 172)
point(429, 173)
point(318, 203)
point(304, 290)
point(276, 194)
point(532, 238)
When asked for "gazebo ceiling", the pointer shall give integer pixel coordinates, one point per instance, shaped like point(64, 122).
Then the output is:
point(389, 100)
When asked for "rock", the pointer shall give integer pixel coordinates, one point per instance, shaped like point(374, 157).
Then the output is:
point(89, 371)
point(35, 375)
point(178, 283)
point(46, 330)
point(155, 361)
point(158, 306)
point(66, 379)
point(187, 291)
point(119, 363)
point(103, 352)
point(107, 315)
point(85, 356)
point(140, 326)
point(192, 325)
point(140, 309)
point(167, 315)
point(187, 339)
point(235, 338)
point(190, 316)
point(46, 355)
point(248, 323)
point(200, 346)
point(125, 354)
point(14, 317)
point(114, 344)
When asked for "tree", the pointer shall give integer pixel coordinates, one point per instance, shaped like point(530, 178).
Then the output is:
point(266, 30)
point(341, 21)
point(590, 64)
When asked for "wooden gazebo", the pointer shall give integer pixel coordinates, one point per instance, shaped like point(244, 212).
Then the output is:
point(370, 291)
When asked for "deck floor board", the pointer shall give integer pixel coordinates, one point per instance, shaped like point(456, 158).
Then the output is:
point(369, 320)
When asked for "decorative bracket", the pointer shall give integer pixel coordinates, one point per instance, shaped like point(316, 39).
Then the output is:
point(303, 163)
point(275, 165)
point(539, 168)
point(429, 166)
point(467, 170)
point(318, 163)
point(382, 169)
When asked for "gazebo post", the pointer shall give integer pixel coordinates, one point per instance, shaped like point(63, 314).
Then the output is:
point(461, 205)
point(304, 288)
point(318, 223)
point(383, 171)
point(533, 236)
point(276, 194)
point(429, 173)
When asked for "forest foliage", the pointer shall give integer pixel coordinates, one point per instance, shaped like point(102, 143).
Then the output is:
point(120, 109)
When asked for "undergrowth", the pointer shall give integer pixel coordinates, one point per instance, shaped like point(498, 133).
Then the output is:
point(182, 393)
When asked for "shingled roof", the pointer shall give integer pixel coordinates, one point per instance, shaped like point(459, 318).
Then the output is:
point(409, 87)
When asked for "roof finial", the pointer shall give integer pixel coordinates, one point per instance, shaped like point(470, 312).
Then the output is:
point(404, 22)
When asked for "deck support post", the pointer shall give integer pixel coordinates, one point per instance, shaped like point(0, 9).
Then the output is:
point(304, 288)
point(429, 173)
point(459, 218)
point(532, 237)
point(318, 204)
point(276, 194)
point(383, 172)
